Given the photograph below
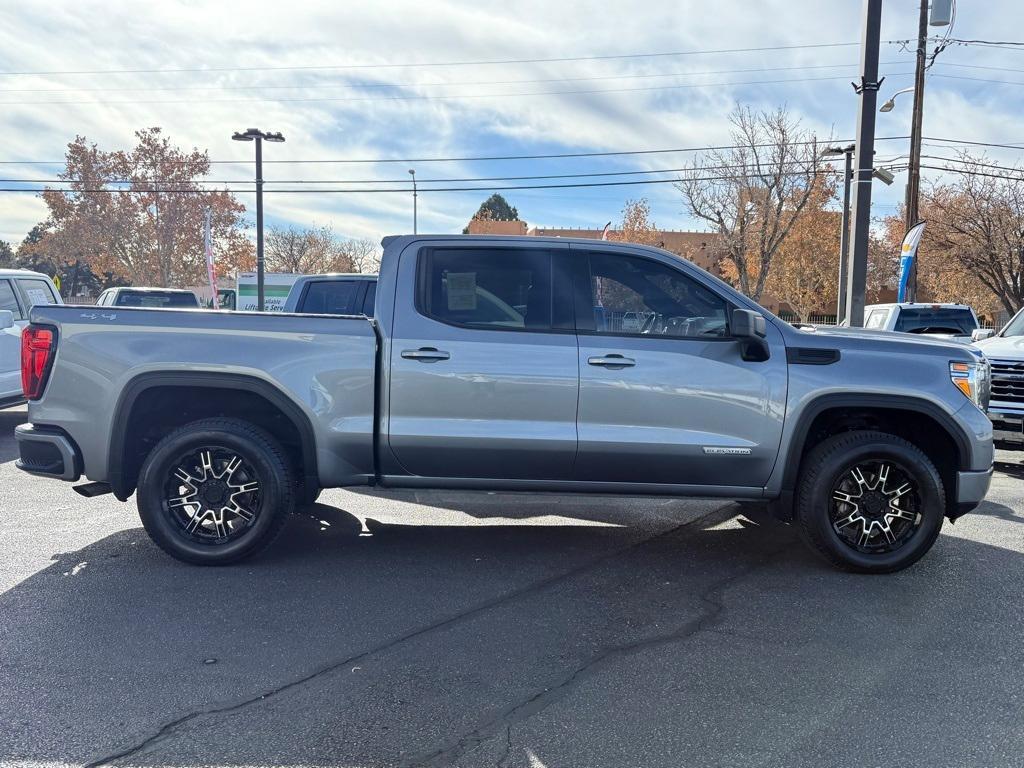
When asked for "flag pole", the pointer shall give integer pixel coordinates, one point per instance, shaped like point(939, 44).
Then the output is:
point(211, 273)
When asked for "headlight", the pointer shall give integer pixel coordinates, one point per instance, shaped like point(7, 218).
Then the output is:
point(973, 380)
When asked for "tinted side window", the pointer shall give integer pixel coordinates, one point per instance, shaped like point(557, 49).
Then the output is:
point(37, 292)
point(957, 322)
point(7, 299)
point(370, 299)
point(329, 297)
point(487, 287)
point(632, 295)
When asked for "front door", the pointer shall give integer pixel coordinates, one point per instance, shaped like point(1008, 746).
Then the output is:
point(484, 374)
point(665, 396)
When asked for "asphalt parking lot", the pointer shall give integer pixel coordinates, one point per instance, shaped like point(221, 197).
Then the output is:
point(408, 629)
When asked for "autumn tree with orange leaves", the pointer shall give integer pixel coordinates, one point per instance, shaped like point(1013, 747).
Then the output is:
point(139, 214)
point(973, 244)
point(636, 226)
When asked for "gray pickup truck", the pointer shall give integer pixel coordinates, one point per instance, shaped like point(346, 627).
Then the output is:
point(518, 364)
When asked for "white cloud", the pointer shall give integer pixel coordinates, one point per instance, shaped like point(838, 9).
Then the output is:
point(205, 34)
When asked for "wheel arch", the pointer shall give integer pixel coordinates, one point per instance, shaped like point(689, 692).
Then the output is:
point(232, 394)
point(922, 422)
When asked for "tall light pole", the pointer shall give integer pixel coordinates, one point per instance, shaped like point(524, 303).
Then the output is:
point(412, 172)
point(882, 174)
point(844, 236)
point(254, 134)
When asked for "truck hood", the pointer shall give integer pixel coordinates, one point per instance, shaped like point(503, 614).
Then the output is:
point(1008, 347)
point(882, 341)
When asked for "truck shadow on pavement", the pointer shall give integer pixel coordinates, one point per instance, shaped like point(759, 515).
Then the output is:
point(526, 645)
point(9, 419)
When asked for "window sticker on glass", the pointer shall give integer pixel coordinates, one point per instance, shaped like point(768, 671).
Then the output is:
point(461, 291)
point(38, 296)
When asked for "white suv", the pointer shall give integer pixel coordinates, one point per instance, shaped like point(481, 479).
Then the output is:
point(20, 290)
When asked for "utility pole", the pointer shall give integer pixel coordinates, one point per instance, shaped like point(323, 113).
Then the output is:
point(914, 164)
point(865, 152)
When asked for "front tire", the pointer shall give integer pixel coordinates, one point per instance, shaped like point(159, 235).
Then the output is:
point(215, 491)
point(869, 502)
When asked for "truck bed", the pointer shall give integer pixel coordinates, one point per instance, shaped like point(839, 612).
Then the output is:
point(324, 365)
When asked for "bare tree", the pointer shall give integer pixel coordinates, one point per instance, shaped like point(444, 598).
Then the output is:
point(977, 221)
point(306, 251)
point(753, 193)
point(363, 254)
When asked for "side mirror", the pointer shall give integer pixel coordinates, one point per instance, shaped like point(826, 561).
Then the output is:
point(6, 319)
point(750, 329)
point(980, 334)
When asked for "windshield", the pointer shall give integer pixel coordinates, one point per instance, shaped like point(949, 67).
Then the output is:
point(156, 299)
point(1016, 326)
point(953, 321)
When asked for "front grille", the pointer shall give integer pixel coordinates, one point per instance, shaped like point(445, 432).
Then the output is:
point(1008, 381)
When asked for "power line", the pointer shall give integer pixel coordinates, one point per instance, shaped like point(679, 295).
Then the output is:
point(968, 172)
point(395, 190)
point(974, 163)
point(965, 142)
point(309, 86)
point(437, 97)
point(556, 155)
point(977, 79)
point(487, 158)
point(421, 65)
point(406, 182)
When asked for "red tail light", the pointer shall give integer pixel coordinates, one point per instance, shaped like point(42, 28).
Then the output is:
point(38, 346)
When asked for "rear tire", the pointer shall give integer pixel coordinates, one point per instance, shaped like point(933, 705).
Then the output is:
point(869, 502)
point(215, 491)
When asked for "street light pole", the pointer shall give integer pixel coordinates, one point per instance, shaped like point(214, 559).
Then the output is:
point(844, 235)
point(260, 264)
point(865, 151)
point(412, 172)
point(254, 134)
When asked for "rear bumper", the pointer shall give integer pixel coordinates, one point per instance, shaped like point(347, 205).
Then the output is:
point(971, 488)
point(47, 452)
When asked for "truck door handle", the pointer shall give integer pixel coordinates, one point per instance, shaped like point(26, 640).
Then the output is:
point(425, 354)
point(612, 361)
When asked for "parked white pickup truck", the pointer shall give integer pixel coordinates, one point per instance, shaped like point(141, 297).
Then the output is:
point(20, 290)
point(949, 321)
point(1005, 351)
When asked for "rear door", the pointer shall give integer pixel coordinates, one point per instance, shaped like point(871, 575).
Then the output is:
point(483, 368)
point(665, 396)
point(10, 343)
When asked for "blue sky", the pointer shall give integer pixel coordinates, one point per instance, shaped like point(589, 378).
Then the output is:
point(280, 66)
